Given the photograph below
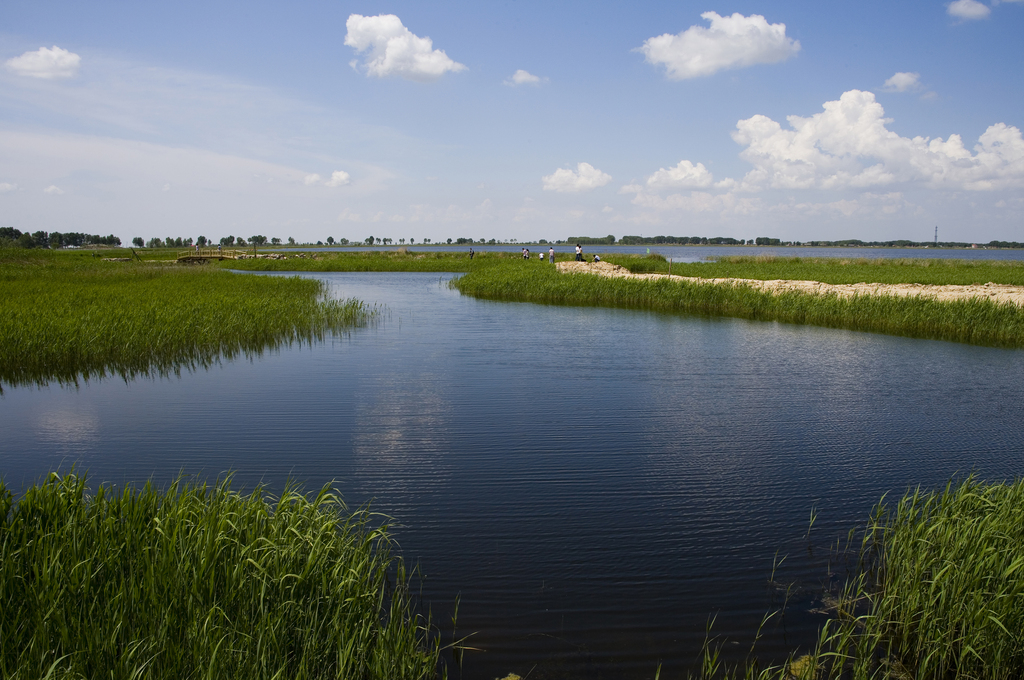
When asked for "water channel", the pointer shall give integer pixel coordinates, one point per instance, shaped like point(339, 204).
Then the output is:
point(595, 485)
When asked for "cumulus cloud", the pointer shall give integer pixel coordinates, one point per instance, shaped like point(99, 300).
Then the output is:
point(848, 146)
point(522, 77)
point(53, 190)
point(311, 179)
point(968, 9)
point(585, 178)
point(339, 178)
point(685, 174)
point(6, 186)
point(393, 50)
point(45, 63)
point(903, 82)
point(730, 42)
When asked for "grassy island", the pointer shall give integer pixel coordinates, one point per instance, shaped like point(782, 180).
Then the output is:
point(66, 316)
point(197, 582)
point(506, 276)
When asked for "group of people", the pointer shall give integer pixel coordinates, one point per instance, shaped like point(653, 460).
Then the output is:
point(551, 254)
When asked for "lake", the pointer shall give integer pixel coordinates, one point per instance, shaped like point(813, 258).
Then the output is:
point(594, 485)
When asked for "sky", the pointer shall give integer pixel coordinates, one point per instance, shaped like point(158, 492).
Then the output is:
point(518, 120)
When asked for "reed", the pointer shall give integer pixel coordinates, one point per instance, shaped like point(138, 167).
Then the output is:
point(979, 322)
point(202, 582)
point(70, 318)
point(935, 593)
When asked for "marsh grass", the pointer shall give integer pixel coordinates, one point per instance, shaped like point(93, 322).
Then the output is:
point(836, 270)
point(379, 261)
point(69, 318)
point(202, 582)
point(935, 592)
point(979, 322)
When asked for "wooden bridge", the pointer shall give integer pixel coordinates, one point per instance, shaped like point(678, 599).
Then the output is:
point(204, 254)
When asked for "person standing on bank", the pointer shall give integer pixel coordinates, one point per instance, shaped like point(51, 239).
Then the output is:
point(579, 253)
point(551, 254)
point(471, 253)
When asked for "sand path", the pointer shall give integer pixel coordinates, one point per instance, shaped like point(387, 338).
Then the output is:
point(996, 292)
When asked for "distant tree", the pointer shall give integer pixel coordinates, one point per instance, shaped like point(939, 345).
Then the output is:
point(387, 241)
point(369, 240)
point(276, 241)
point(330, 240)
point(187, 242)
point(343, 241)
point(228, 241)
point(401, 240)
point(258, 240)
point(449, 241)
point(155, 243)
point(378, 241)
point(138, 242)
point(239, 240)
point(411, 241)
point(202, 241)
point(291, 241)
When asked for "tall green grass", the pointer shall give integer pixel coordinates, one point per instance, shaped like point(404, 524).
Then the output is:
point(979, 322)
point(67, 318)
point(201, 582)
point(936, 593)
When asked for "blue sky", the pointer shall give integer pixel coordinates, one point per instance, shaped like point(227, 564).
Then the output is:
point(797, 120)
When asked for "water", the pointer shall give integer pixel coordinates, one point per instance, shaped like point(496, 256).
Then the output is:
point(594, 484)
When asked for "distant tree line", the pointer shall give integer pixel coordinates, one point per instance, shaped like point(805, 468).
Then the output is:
point(914, 244)
point(202, 241)
point(594, 240)
point(682, 240)
point(54, 239)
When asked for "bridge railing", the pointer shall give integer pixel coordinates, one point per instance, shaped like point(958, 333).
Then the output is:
point(210, 254)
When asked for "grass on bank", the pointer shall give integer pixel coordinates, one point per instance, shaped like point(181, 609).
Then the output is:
point(69, 316)
point(836, 270)
point(201, 582)
point(979, 322)
point(938, 594)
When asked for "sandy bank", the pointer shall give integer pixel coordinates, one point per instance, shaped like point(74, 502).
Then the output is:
point(990, 291)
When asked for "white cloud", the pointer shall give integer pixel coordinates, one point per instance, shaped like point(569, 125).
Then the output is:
point(522, 77)
point(585, 178)
point(968, 9)
point(730, 42)
point(339, 178)
point(311, 179)
point(848, 146)
point(393, 50)
point(53, 190)
point(5, 187)
point(45, 63)
point(903, 82)
point(685, 174)
point(166, 187)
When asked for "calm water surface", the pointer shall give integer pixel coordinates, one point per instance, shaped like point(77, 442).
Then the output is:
point(594, 484)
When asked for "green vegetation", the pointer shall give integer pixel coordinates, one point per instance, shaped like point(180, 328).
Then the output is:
point(972, 321)
point(65, 316)
point(938, 594)
point(199, 582)
point(399, 260)
point(837, 270)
